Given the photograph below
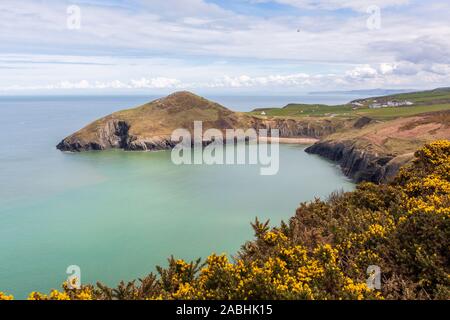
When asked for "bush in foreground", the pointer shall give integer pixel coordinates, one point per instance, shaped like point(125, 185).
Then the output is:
point(323, 252)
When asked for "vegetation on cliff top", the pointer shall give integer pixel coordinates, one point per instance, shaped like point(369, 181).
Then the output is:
point(423, 101)
point(323, 252)
point(396, 137)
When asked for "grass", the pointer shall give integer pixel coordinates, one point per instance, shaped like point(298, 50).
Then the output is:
point(392, 113)
point(301, 110)
point(306, 110)
point(424, 101)
point(423, 96)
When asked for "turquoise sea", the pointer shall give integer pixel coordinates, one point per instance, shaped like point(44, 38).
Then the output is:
point(118, 214)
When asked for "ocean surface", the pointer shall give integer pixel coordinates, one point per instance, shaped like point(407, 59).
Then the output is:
point(118, 214)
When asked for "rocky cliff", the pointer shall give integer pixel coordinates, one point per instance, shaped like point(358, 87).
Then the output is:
point(375, 151)
point(360, 165)
point(311, 128)
point(112, 134)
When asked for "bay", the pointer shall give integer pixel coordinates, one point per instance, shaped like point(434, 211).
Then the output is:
point(119, 214)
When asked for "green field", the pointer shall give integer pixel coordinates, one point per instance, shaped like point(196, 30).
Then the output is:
point(306, 110)
point(436, 96)
point(423, 96)
point(424, 101)
point(390, 113)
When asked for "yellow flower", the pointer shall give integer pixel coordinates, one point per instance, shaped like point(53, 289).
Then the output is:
point(85, 294)
point(56, 295)
point(4, 296)
point(37, 296)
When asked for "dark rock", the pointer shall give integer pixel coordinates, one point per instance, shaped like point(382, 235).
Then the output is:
point(300, 128)
point(362, 122)
point(112, 135)
point(357, 164)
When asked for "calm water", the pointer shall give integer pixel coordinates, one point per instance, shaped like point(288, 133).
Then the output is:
point(118, 214)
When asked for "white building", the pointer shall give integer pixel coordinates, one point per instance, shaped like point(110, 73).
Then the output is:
point(390, 104)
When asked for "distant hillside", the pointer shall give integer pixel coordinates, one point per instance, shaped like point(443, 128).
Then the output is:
point(420, 102)
point(305, 110)
point(369, 92)
point(439, 96)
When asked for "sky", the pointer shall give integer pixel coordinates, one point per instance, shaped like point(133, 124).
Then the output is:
point(222, 46)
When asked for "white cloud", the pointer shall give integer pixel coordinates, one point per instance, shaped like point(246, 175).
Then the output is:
point(261, 81)
point(387, 68)
point(143, 83)
point(361, 72)
point(357, 5)
point(361, 76)
point(179, 43)
point(158, 83)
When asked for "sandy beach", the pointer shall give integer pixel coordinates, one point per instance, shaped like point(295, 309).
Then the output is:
point(297, 140)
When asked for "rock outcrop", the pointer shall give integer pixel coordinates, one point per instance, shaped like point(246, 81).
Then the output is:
point(317, 128)
point(374, 150)
point(360, 165)
point(113, 134)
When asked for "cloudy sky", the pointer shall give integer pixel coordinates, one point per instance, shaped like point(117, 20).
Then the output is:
point(222, 46)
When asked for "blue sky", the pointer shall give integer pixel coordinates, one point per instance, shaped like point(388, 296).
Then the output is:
point(234, 46)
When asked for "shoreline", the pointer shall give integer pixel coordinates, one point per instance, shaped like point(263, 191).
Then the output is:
point(298, 140)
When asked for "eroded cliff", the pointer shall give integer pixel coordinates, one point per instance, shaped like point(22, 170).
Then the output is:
point(376, 151)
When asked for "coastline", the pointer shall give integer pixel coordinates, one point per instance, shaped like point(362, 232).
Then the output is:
point(299, 140)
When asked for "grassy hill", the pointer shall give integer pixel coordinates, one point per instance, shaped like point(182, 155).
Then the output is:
point(305, 110)
point(423, 101)
point(149, 127)
point(435, 96)
point(162, 116)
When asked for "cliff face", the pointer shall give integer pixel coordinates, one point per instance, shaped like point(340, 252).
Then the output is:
point(113, 134)
point(375, 151)
point(358, 164)
point(317, 128)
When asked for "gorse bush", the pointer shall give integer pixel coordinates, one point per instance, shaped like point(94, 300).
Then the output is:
point(323, 252)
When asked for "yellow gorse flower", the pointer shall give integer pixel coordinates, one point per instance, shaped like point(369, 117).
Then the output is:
point(4, 296)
